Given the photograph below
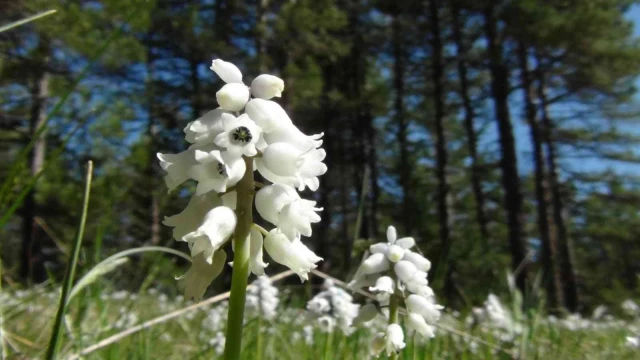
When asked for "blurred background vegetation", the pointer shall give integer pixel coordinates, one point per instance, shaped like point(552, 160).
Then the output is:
point(503, 135)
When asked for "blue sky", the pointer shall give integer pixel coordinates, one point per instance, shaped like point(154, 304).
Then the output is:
point(587, 165)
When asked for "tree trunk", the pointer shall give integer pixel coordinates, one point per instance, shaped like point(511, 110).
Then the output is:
point(509, 161)
point(571, 297)
point(404, 170)
point(471, 136)
point(150, 169)
point(437, 78)
point(261, 45)
point(551, 277)
point(32, 262)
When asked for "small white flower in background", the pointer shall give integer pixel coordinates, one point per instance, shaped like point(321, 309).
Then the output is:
point(633, 341)
point(630, 308)
point(262, 298)
point(393, 270)
point(498, 320)
point(222, 141)
point(308, 334)
point(218, 343)
point(333, 307)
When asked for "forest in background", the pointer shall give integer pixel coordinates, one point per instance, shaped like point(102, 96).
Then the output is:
point(500, 134)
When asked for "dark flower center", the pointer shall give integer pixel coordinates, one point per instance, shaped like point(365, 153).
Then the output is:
point(222, 170)
point(241, 134)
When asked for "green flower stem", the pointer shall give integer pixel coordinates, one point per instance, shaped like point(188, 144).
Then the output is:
point(393, 317)
point(244, 209)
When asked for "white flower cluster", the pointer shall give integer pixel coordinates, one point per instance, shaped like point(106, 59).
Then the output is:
point(262, 298)
point(495, 318)
point(333, 307)
point(393, 269)
point(247, 131)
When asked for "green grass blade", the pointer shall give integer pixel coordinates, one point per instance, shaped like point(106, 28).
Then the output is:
point(111, 263)
point(54, 342)
point(27, 20)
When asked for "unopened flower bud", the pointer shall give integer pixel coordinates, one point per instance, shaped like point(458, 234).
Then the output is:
point(374, 264)
point(267, 86)
point(228, 72)
point(233, 96)
point(395, 253)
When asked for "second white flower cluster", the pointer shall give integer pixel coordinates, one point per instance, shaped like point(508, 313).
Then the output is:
point(247, 131)
point(397, 275)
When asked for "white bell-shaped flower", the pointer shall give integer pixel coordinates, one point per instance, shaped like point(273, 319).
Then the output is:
point(201, 273)
point(420, 305)
point(176, 165)
point(240, 135)
point(406, 242)
point(281, 205)
point(191, 217)
point(290, 134)
point(267, 86)
point(291, 253)
point(409, 273)
point(228, 72)
point(271, 199)
point(295, 219)
point(384, 284)
point(394, 338)
point(269, 115)
point(374, 264)
point(205, 129)
point(379, 248)
point(256, 264)
point(218, 225)
point(420, 289)
point(418, 260)
point(292, 166)
point(233, 96)
point(216, 171)
point(415, 322)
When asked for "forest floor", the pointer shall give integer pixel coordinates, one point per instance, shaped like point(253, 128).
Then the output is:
point(96, 315)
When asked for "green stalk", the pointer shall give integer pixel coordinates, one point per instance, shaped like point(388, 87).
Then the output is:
point(393, 317)
point(244, 212)
point(259, 335)
point(54, 342)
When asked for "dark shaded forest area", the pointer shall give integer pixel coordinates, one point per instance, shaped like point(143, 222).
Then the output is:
point(503, 135)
